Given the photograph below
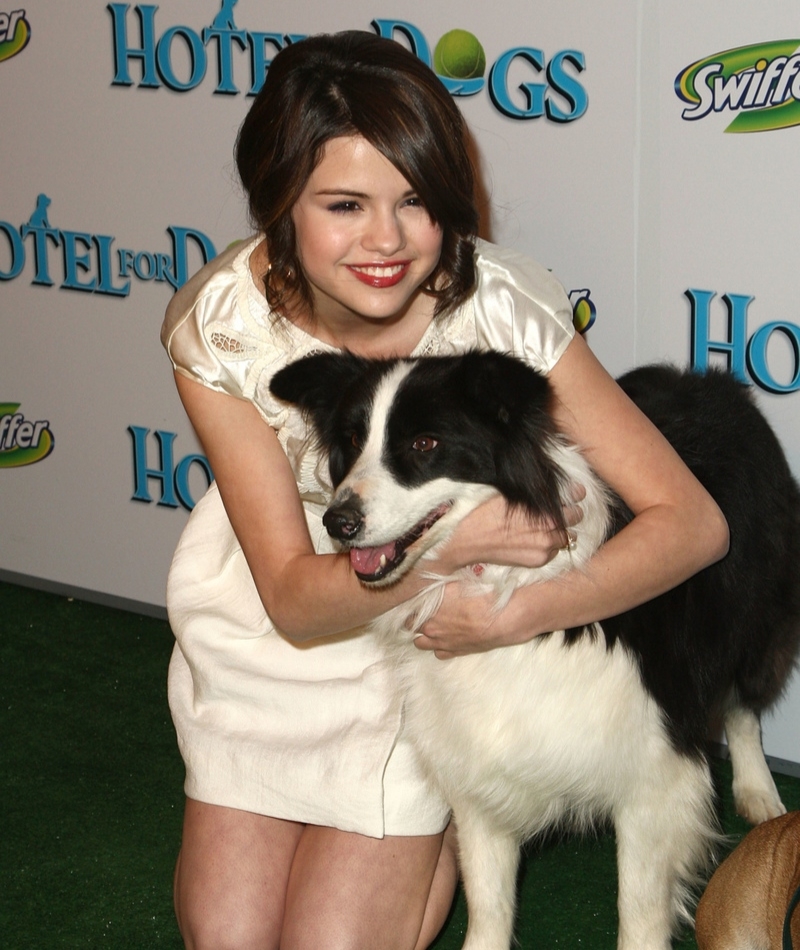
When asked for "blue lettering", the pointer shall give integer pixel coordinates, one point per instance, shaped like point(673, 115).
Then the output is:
point(757, 357)
point(89, 259)
point(17, 252)
point(125, 261)
point(225, 37)
point(123, 53)
point(182, 478)
point(163, 262)
point(75, 261)
point(735, 346)
point(9, 424)
point(180, 253)
point(259, 63)
point(174, 479)
point(197, 58)
point(144, 272)
point(534, 92)
point(162, 474)
point(788, 74)
point(567, 86)
point(39, 227)
point(567, 99)
point(106, 285)
point(742, 353)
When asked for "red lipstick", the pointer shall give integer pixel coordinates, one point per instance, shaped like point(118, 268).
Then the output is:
point(380, 275)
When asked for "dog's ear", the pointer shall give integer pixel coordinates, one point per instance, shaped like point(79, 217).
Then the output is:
point(505, 388)
point(316, 383)
point(516, 399)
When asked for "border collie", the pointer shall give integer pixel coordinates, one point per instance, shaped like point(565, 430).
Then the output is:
point(604, 723)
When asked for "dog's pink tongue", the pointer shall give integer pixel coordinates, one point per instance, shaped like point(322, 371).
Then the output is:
point(368, 560)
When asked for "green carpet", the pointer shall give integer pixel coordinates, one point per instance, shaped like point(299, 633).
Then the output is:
point(92, 796)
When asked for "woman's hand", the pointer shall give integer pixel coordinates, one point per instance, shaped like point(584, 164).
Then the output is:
point(495, 534)
point(492, 534)
point(468, 623)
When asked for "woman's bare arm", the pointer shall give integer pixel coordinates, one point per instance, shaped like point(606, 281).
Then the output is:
point(305, 594)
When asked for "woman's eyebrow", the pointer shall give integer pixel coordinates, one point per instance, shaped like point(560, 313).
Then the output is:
point(342, 191)
point(351, 193)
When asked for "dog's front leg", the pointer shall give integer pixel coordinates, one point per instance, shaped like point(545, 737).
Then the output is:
point(489, 859)
point(665, 833)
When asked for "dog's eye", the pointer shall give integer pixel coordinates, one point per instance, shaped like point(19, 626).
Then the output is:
point(355, 441)
point(424, 443)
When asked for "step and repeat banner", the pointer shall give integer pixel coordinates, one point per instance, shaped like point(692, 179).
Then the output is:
point(646, 152)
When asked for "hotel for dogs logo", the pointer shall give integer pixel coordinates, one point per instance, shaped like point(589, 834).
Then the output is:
point(758, 85)
point(522, 82)
point(15, 33)
point(90, 262)
point(22, 442)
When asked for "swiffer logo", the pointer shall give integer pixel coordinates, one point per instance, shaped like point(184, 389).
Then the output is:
point(15, 33)
point(760, 83)
point(22, 442)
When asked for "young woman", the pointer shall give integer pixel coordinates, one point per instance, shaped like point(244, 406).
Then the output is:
point(307, 823)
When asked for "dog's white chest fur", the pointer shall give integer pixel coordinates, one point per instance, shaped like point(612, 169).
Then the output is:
point(512, 730)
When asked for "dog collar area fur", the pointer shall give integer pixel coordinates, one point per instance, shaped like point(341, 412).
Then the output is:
point(787, 924)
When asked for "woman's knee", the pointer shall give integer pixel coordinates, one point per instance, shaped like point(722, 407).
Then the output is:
point(348, 892)
point(230, 878)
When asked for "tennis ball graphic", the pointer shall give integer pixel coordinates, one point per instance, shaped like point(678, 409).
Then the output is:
point(459, 55)
point(583, 313)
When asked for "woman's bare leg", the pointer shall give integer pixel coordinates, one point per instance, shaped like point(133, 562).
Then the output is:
point(230, 879)
point(350, 892)
point(248, 882)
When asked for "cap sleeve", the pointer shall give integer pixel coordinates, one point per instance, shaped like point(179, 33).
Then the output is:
point(520, 307)
point(200, 332)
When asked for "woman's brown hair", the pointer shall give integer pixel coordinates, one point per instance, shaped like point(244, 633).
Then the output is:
point(356, 83)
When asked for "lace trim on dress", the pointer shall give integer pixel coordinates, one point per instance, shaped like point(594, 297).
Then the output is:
point(230, 342)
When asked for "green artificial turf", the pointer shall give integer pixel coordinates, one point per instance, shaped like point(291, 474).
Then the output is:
point(92, 796)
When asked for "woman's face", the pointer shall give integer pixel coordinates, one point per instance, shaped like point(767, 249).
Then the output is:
point(364, 240)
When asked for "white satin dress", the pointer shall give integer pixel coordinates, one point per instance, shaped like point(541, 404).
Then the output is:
point(310, 732)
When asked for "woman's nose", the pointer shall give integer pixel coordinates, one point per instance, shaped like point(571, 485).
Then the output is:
point(384, 233)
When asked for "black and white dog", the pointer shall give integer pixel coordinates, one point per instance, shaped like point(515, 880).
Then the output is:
point(602, 723)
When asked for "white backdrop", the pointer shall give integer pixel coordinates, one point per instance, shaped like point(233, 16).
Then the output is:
point(118, 181)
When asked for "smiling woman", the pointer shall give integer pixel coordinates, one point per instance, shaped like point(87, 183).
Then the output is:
point(367, 247)
point(309, 821)
point(421, 137)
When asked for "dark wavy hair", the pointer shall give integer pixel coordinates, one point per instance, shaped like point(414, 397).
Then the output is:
point(356, 83)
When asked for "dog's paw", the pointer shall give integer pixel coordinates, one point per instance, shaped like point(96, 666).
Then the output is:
point(757, 804)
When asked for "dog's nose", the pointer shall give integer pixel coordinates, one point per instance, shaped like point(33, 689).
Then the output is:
point(344, 521)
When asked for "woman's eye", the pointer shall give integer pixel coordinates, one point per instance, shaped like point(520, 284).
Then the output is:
point(343, 207)
point(424, 443)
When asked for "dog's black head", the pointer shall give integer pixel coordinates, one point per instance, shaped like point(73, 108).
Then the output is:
point(411, 430)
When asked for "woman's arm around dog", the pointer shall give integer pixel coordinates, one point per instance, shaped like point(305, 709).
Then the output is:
point(305, 594)
point(676, 531)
